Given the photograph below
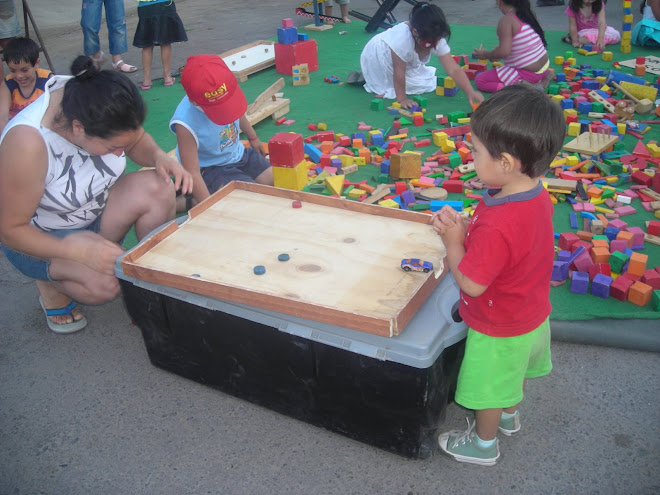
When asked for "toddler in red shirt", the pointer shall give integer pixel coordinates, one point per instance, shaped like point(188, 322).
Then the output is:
point(502, 263)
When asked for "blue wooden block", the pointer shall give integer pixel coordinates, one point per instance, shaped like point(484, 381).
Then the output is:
point(313, 152)
point(303, 36)
point(385, 167)
point(566, 103)
point(377, 139)
point(408, 197)
point(573, 217)
point(579, 282)
point(286, 36)
point(563, 255)
point(590, 84)
point(599, 72)
point(357, 135)
point(559, 271)
point(600, 285)
point(611, 232)
point(437, 205)
point(561, 77)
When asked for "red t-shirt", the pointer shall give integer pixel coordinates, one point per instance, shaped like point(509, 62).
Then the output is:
point(510, 249)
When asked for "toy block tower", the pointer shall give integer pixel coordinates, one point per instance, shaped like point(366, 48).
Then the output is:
point(626, 27)
point(300, 75)
point(287, 33)
point(287, 55)
point(287, 158)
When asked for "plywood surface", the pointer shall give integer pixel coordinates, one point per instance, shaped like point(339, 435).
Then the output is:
point(249, 59)
point(344, 265)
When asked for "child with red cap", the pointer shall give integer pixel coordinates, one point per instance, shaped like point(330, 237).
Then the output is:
point(207, 123)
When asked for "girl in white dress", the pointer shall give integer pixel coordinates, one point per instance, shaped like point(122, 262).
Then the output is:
point(394, 61)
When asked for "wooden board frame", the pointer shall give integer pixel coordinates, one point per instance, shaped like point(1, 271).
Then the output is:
point(421, 286)
point(590, 143)
point(261, 63)
point(651, 62)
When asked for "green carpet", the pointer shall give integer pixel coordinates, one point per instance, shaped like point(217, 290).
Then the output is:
point(342, 107)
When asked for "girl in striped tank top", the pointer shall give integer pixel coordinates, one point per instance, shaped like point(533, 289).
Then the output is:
point(522, 49)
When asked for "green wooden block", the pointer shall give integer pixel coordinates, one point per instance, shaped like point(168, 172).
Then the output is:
point(561, 198)
point(619, 146)
point(553, 89)
point(405, 121)
point(420, 206)
point(608, 193)
point(454, 116)
point(468, 176)
point(600, 237)
point(347, 190)
point(455, 160)
point(421, 101)
point(655, 300)
point(436, 175)
point(617, 260)
point(383, 179)
point(597, 106)
point(377, 104)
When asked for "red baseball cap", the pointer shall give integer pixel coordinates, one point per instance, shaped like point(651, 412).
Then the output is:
point(209, 83)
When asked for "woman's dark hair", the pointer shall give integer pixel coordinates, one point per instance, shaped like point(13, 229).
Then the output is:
point(524, 13)
point(576, 5)
point(524, 122)
point(19, 50)
point(105, 102)
point(429, 21)
point(641, 6)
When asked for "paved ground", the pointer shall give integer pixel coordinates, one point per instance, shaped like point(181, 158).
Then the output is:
point(88, 413)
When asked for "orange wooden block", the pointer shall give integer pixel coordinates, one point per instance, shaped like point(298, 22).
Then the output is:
point(365, 153)
point(464, 152)
point(637, 264)
point(601, 243)
point(367, 188)
point(584, 236)
point(640, 293)
point(625, 236)
point(600, 254)
point(603, 219)
point(327, 147)
point(594, 192)
point(357, 143)
point(376, 158)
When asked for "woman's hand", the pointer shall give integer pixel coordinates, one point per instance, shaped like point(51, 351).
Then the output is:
point(94, 251)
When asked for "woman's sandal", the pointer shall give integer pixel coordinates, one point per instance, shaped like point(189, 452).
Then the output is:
point(102, 59)
point(170, 83)
point(145, 87)
point(122, 67)
point(71, 327)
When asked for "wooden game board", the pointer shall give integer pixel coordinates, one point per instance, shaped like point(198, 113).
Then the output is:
point(651, 62)
point(250, 58)
point(590, 143)
point(344, 266)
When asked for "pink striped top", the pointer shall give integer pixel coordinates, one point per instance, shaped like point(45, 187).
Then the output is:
point(526, 47)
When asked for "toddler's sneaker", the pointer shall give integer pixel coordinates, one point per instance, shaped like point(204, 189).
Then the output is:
point(463, 447)
point(510, 426)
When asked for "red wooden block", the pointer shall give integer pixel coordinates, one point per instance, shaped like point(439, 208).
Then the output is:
point(566, 240)
point(640, 177)
point(418, 120)
point(654, 227)
point(423, 142)
point(453, 186)
point(301, 52)
point(286, 149)
point(478, 66)
point(326, 136)
point(597, 268)
point(471, 74)
point(652, 278)
point(655, 183)
point(620, 287)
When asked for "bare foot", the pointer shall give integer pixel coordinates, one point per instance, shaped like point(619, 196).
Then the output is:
point(346, 19)
point(53, 299)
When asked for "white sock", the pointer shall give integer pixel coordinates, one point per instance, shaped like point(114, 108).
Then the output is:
point(507, 415)
point(484, 444)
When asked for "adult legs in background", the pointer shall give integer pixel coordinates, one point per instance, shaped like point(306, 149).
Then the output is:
point(90, 22)
point(115, 19)
point(9, 27)
point(147, 57)
point(166, 58)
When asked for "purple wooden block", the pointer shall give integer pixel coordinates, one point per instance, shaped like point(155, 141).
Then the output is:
point(579, 282)
point(563, 255)
point(618, 245)
point(559, 271)
point(335, 162)
point(600, 286)
point(408, 197)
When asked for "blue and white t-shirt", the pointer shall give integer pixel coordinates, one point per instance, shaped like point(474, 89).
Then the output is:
point(217, 145)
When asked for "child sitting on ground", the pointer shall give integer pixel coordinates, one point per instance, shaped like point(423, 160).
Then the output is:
point(587, 24)
point(26, 81)
point(206, 124)
point(522, 48)
point(502, 262)
point(647, 31)
point(394, 61)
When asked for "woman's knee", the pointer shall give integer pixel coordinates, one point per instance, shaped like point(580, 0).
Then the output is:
point(102, 289)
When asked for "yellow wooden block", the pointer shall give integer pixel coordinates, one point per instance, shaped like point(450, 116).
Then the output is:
point(572, 160)
point(335, 183)
point(626, 36)
point(346, 160)
point(640, 92)
point(464, 120)
point(449, 82)
point(621, 128)
point(448, 146)
point(388, 203)
point(600, 209)
point(439, 138)
point(570, 111)
point(571, 61)
point(628, 18)
point(294, 178)
point(559, 60)
point(557, 98)
point(322, 126)
point(625, 48)
point(601, 79)
point(553, 199)
point(497, 64)
point(359, 160)
point(653, 149)
point(582, 51)
point(439, 91)
point(573, 129)
point(396, 104)
point(399, 136)
point(356, 193)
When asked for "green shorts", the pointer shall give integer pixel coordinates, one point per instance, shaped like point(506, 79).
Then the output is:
point(494, 368)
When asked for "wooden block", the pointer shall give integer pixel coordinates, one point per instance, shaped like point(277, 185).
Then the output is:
point(640, 293)
point(406, 165)
point(294, 178)
point(250, 58)
point(335, 184)
point(590, 143)
point(300, 75)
